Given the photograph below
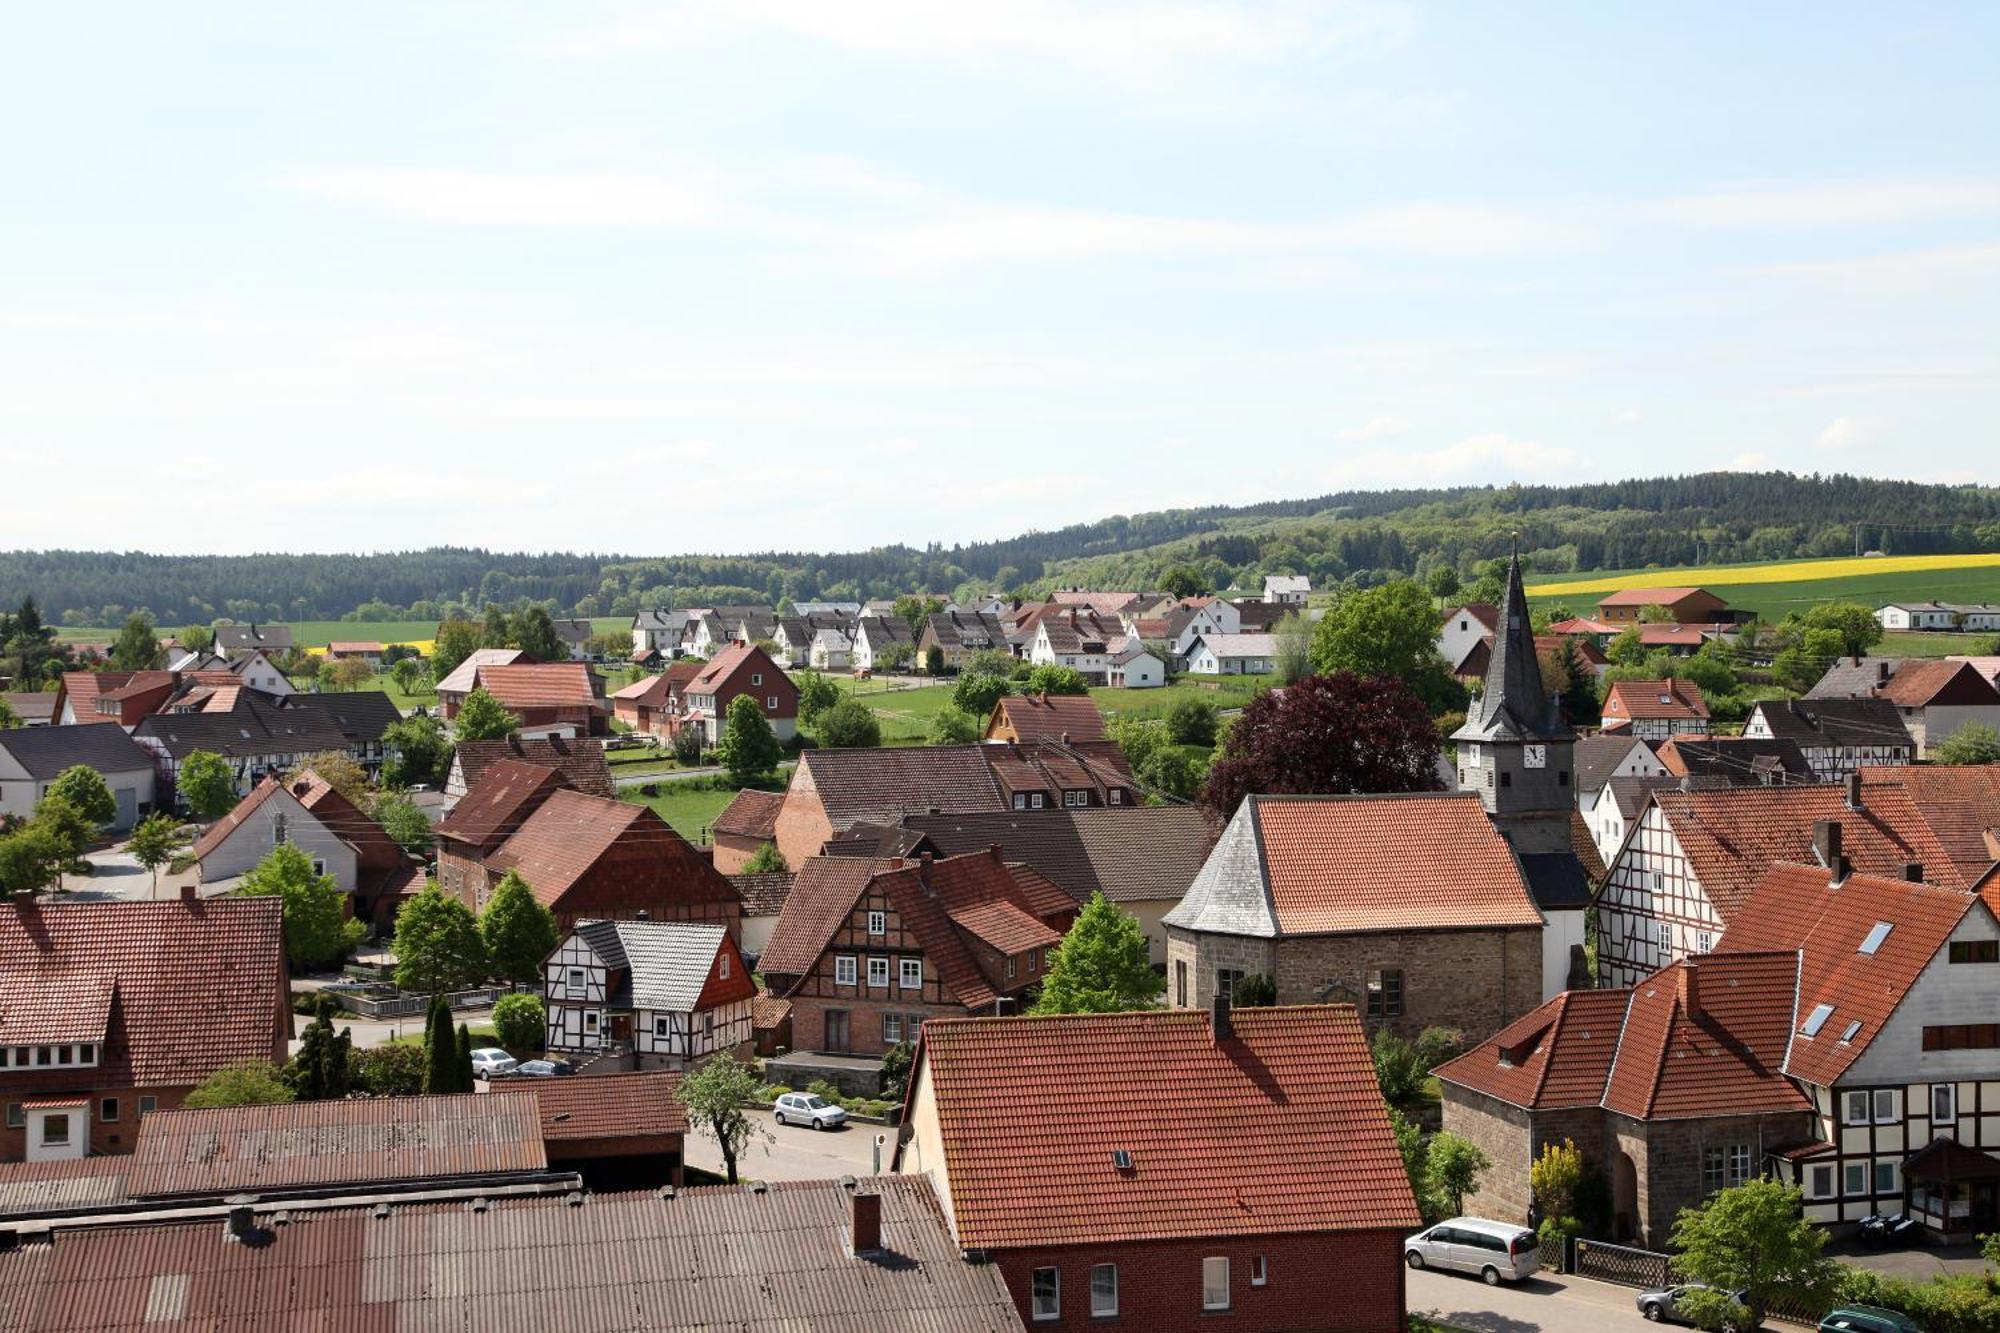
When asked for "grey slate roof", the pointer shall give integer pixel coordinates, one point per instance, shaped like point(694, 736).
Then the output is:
point(1836, 722)
point(1631, 793)
point(672, 622)
point(1595, 758)
point(1515, 705)
point(360, 715)
point(231, 638)
point(666, 962)
point(254, 727)
point(1557, 881)
point(1229, 896)
point(1854, 677)
point(46, 751)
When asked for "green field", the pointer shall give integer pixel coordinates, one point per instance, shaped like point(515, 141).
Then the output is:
point(906, 714)
point(1773, 599)
point(690, 805)
point(1898, 643)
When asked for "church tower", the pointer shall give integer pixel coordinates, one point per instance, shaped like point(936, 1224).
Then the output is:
point(1515, 749)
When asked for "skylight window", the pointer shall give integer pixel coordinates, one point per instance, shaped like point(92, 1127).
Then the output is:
point(1876, 936)
point(1852, 1028)
point(1817, 1019)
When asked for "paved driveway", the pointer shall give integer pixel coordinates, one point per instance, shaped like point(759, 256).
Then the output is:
point(1542, 1304)
point(798, 1153)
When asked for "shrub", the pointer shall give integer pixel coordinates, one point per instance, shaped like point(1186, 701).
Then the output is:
point(1191, 721)
point(687, 746)
point(521, 1022)
point(250, 1083)
point(394, 1070)
point(819, 1087)
point(849, 725)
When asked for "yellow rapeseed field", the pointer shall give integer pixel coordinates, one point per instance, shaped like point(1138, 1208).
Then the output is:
point(1784, 571)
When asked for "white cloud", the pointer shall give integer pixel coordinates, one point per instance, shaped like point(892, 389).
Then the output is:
point(1832, 203)
point(1630, 416)
point(1752, 462)
point(1897, 274)
point(1375, 428)
point(1849, 433)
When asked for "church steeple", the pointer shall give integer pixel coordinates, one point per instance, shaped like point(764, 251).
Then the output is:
point(1515, 704)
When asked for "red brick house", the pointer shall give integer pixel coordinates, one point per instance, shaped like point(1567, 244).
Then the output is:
point(745, 825)
point(508, 791)
point(109, 1011)
point(581, 762)
point(866, 950)
point(1689, 606)
point(740, 669)
point(550, 698)
point(1235, 1166)
point(654, 705)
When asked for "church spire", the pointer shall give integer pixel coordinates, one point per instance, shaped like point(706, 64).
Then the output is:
point(1515, 699)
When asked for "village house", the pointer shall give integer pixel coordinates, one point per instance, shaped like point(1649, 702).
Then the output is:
point(710, 629)
point(881, 643)
point(1691, 860)
point(1836, 736)
point(33, 757)
point(1232, 655)
point(581, 762)
point(584, 857)
point(1735, 761)
point(1135, 667)
point(1934, 696)
point(343, 841)
point(1287, 589)
point(868, 949)
point(1617, 807)
point(648, 994)
point(551, 698)
point(258, 735)
point(463, 678)
point(1336, 899)
point(1687, 606)
point(1143, 860)
point(1464, 627)
point(1939, 616)
point(764, 898)
point(832, 650)
point(575, 635)
point(34, 708)
point(1672, 1089)
point(1654, 710)
point(110, 1011)
point(796, 634)
point(1081, 639)
point(343, 650)
point(659, 631)
point(656, 705)
point(1198, 618)
point(1262, 1186)
point(232, 639)
point(740, 669)
point(1961, 803)
point(1034, 718)
point(959, 636)
point(1108, 604)
point(747, 825)
point(1604, 756)
point(832, 790)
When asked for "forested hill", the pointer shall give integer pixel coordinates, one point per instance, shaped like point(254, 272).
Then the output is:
point(1367, 535)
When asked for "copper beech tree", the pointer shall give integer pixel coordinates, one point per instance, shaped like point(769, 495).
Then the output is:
point(1326, 735)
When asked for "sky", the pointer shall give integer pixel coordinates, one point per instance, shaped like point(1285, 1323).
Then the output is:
point(785, 274)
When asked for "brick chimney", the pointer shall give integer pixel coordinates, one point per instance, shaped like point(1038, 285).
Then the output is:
point(1689, 986)
point(924, 873)
point(1913, 871)
point(993, 850)
point(1826, 845)
point(1854, 791)
point(188, 893)
point(864, 1223)
point(1882, 672)
point(1220, 1026)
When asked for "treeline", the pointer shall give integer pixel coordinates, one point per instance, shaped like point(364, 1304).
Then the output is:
point(1358, 536)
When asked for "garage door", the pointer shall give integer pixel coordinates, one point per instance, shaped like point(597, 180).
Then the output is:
point(128, 806)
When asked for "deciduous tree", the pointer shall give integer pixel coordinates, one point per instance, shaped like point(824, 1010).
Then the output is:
point(517, 931)
point(1191, 721)
point(1101, 966)
point(497, 631)
point(1054, 678)
point(249, 1083)
point(978, 691)
point(317, 933)
point(816, 695)
point(1388, 631)
point(482, 718)
point(9, 719)
point(154, 842)
point(456, 640)
point(749, 749)
point(136, 648)
point(1452, 1166)
point(766, 860)
point(337, 769)
point(535, 634)
point(408, 675)
point(521, 1021)
point(349, 673)
point(419, 752)
point(84, 787)
point(951, 725)
point(438, 945)
point(1972, 743)
point(718, 1096)
point(1326, 735)
point(207, 785)
point(1184, 580)
point(849, 725)
point(1751, 1238)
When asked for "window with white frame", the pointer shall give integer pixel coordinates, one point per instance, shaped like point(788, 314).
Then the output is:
point(1886, 1111)
point(1045, 1294)
point(1020, 801)
point(1855, 1183)
point(107, 1110)
point(1215, 1283)
point(892, 1029)
point(878, 971)
point(756, 678)
point(55, 1129)
point(771, 703)
point(724, 973)
point(576, 978)
point(660, 1027)
point(845, 969)
point(1103, 1290)
point(590, 1020)
point(1819, 1182)
point(1034, 800)
point(1115, 796)
point(910, 973)
point(878, 923)
point(1944, 1104)
point(1260, 1273)
point(1858, 1104)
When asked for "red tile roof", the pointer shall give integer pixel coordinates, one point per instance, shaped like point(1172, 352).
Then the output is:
point(1649, 596)
point(1005, 926)
point(252, 1148)
point(611, 1106)
point(580, 761)
point(375, 848)
point(1793, 908)
point(1556, 1056)
point(542, 685)
point(567, 836)
point(465, 675)
point(1049, 717)
point(1732, 835)
point(1960, 803)
point(1280, 1129)
point(881, 786)
point(1920, 681)
point(753, 814)
point(177, 1015)
point(1425, 861)
point(823, 893)
point(499, 803)
point(1706, 1036)
point(1670, 699)
point(721, 669)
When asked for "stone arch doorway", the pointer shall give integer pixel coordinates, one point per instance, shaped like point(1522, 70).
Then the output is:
point(1624, 1195)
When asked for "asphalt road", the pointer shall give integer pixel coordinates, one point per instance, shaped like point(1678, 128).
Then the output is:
point(1542, 1304)
point(797, 1153)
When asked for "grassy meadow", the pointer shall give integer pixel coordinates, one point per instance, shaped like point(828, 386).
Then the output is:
point(1775, 588)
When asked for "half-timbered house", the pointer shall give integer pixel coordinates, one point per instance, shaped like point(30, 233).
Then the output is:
point(656, 994)
point(1836, 736)
point(1693, 857)
point(866, 950)
point(1933, 696)
point(1654, 710)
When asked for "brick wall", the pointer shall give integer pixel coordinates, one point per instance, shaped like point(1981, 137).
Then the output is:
point(1338, 1282)
point(1204, 953)
point(1474, 980)
point(733, 851)
point(802, 826)
point(115, 1136)
point(461, 876)
point(1666, 1157)
point(1512, 1138)
point(864, 1021)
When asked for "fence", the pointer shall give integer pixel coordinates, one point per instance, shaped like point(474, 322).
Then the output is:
point(400, 1004)
point(1647, 1269)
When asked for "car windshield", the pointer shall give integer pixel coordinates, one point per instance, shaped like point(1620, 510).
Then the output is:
point(814, 1103)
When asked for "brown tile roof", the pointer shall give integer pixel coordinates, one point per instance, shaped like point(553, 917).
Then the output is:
point(1706, 1036)
point(1584, 847)
point(1926, 680)
point(569, 833)
point(175, 1016)
point(542, 685)
point(639, 1104)
point(375, 848)
point(1556, 1056)
point(1648, 596)
point(219, 832)
point(1673, 700)
point(353, 646)
point(615, 1261)
point(1420, 862)
point(1485, 613)
point(720, 669)
point(1793, 909)
point(752, 814)
point(1102, 603)
point(1732, 835)
point(1005, 926)
point(763, 895)
point(506, 793)
point(1278, 1130)
point(245, 1149)
point(580, 761)
point(1129, 854)
point(31, 707)
point(882, 786)
point(1960, 803)
point(1050, 717)
point(463, 677)
point(823, 894)
point(1738, 760)
point(769, 1011)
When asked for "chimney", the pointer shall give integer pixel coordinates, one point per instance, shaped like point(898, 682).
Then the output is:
point(1690, 989)
point(993, 850)
point(242, 1222)
point(1826, 845)
point(1854, 791)
point(865, 1223)
point(188, 893)
point(1882, 672)
point(924, 873)
point(1219, 1025)
point(895, 863)
point(640, 915)
point(1913, 871)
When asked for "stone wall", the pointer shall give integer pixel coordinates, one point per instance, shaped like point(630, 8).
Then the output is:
point(1204, 953)
point(1667, 1159)
point(1476, 981)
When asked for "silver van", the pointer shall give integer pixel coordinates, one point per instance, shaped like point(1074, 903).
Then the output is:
point(1497, 1251)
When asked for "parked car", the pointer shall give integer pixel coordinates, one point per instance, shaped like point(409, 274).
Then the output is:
point(1867, 1319)
point(1497, 1251)
point(543, 1068)
point(1663, 1304)
point(808, 1109)
point(489, 1062)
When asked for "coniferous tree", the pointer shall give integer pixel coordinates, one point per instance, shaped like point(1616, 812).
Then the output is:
point(462, 1058)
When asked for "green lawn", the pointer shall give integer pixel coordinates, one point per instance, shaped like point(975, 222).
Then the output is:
point(1774, 600)
point(482, 1035)
point(690, 806)
point(1898, 643)
point(1222, 691)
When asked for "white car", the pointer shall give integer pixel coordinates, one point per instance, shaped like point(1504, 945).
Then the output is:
point(809, 1109)
point(490, 1062)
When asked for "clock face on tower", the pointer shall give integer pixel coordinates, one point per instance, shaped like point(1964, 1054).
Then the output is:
point(1534, 756)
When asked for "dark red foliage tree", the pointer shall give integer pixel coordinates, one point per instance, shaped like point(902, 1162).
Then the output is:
point(1329, 736)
